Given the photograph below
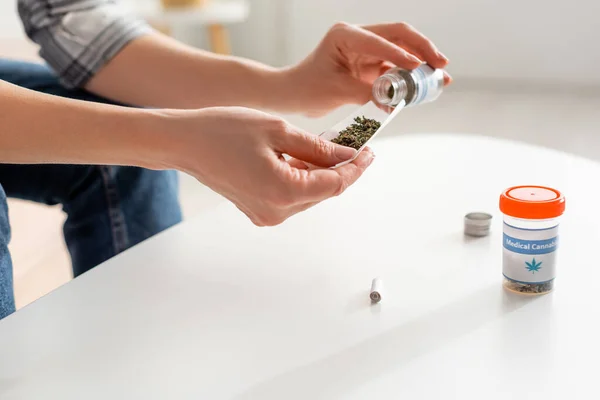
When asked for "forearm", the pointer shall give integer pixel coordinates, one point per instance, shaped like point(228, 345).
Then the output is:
point(99, 45)
point(156, 71)
point(37, 129)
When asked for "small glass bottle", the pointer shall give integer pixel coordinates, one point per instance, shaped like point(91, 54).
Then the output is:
point(530, 239)
point(421, 85)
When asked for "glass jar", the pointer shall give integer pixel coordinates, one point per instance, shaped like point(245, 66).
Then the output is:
point(530, 238)
point(421, 85)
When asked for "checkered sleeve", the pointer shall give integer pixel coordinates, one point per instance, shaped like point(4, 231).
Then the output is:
point(78, 37)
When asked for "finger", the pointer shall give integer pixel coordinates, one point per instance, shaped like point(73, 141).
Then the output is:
point(383, 107)
point(358, 91)
point(385, 66)
point(447, 78)
point(320, 184)
point(312, 149)
point(297, 163)
point(362, 41)
point(412, 40)
point(404, 35)
point(361, 91)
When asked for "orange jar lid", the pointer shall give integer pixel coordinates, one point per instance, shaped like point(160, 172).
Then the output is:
point(532, 202)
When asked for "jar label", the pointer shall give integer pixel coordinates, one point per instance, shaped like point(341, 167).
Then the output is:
point(529, 256)
point(522, 246)
point(428, 86)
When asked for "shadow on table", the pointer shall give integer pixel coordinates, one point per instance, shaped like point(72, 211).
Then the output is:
point(354, 366)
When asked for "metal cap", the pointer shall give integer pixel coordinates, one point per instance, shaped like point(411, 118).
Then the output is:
point(477, 224)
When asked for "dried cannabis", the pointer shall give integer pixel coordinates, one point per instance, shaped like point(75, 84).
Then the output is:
point(531, 288)
point(358, 133)
point(391, 92)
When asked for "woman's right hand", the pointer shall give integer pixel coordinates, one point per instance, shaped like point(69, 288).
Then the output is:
point(238, 152)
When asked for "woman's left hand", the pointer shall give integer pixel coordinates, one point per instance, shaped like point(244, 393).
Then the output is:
point(341, 70)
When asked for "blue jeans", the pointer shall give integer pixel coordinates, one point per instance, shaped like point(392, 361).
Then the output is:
point(109, 208)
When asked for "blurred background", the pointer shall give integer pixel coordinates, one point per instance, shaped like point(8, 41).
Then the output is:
point(524, 70)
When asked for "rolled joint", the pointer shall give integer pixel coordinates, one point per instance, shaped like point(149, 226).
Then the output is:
point(376, 290)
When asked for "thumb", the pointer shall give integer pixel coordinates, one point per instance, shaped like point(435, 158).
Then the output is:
point(314, 150)
point(362, 92)
point(359, 91)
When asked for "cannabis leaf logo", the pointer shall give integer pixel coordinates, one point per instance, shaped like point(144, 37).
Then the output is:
point(533, 266)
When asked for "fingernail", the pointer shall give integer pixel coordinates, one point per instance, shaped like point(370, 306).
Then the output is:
point(366, 160)
point(371, 159)
point(448, 78)
point(344, 153)
point(442, 56)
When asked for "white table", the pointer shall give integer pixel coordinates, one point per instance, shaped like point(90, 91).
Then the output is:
point(219, 309)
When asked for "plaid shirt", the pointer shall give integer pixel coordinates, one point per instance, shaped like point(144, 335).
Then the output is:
point(78, 37)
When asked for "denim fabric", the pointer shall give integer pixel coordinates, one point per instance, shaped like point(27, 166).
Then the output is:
point(109, 208)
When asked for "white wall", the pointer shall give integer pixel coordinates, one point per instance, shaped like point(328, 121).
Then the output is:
point(260, 37)
point(10, 26)
point(552, 42)
point(523, 39)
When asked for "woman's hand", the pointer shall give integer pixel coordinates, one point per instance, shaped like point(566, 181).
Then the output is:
point(238, 152)
point(342, 68)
